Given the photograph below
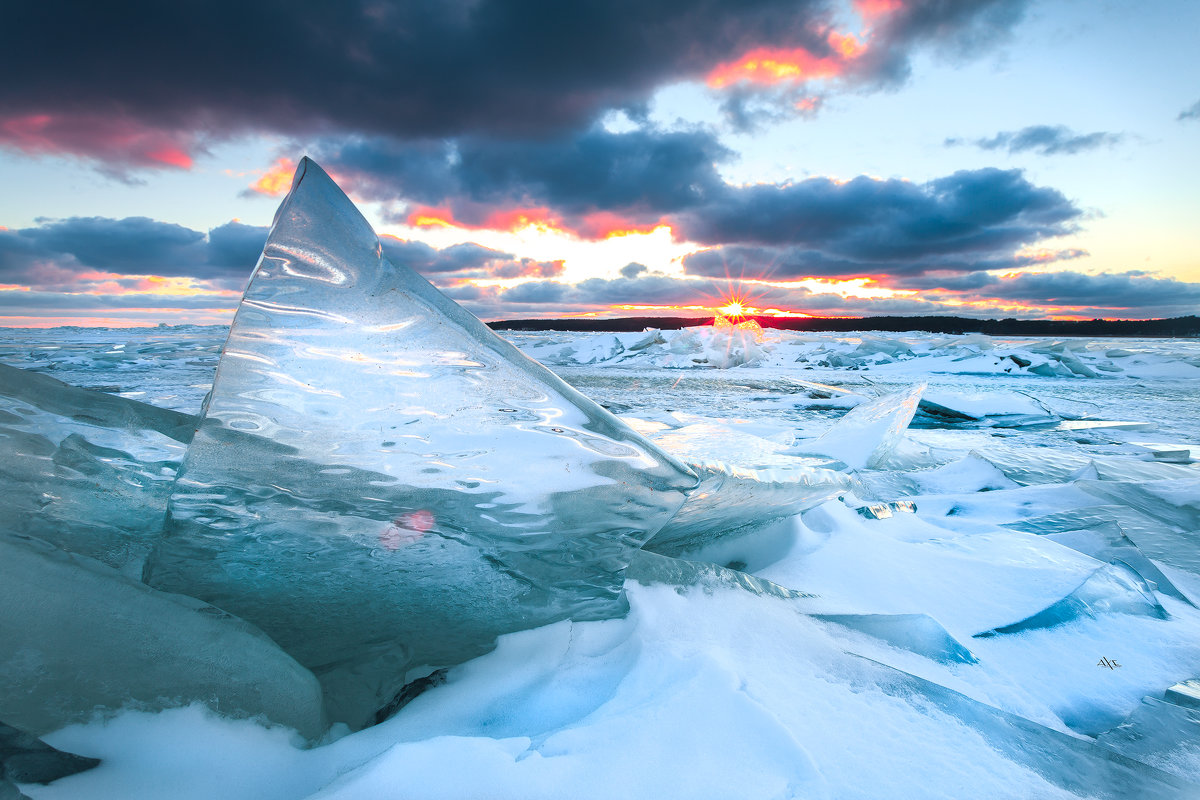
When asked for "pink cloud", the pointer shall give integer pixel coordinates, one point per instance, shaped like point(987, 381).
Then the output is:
point(119, 143)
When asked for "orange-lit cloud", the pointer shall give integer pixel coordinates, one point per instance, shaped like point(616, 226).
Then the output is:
point(593, 226)
point(276, 180)
point(500, 220)
point(767, 66)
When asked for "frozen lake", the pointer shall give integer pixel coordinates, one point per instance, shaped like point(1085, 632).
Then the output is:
point(1024, 625)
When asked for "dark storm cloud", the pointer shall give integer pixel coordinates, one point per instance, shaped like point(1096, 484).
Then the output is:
point(643, 173)
point(905, 224)
point(60, 254)
point(44, 302)
point(1133, 291)
point(1046, 140)
point(428, 260)
point(786, 263)
point(147, 83)
point(57, 251)
point(414, 68)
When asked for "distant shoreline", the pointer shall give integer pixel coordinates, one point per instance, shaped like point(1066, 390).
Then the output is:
point(1173, 328)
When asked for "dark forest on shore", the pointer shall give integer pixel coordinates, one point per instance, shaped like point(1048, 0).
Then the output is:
point(1175, 327)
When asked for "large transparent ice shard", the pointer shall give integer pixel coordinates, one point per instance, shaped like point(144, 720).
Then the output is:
point(1114, 588)
point(77, 637)
point(84, 470)
point(869, 433)
point(379, 481)
point(746, 482)
point(919, 633)
point(1107, 542)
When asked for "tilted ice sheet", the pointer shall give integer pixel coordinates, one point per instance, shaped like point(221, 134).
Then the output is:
point(381, 482)
point(1114, 588)
point(77, 638)
point(746, 481)
point(870, 432)
point(84, 470)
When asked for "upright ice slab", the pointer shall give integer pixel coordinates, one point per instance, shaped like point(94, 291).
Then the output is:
point(381, 482)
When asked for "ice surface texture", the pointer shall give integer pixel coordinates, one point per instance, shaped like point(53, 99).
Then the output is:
point(76, 636)
point(379, 481)
point(86, 471)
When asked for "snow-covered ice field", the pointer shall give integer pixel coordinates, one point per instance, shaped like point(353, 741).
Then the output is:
point(1017, 636)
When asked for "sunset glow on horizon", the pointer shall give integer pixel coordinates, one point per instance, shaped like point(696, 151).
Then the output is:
point(854, 158)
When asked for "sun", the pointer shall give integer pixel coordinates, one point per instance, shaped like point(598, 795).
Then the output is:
point(734, 309)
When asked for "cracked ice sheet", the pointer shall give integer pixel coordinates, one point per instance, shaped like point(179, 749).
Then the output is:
point(681, 699)
point(905, 565)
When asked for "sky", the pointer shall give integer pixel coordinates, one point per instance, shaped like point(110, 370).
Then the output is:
point(540, 158)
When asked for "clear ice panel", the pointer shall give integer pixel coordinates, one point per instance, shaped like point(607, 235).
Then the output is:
point(1162, 734)
point(1155, 538)
point(1114, 588)
point(86, 471)
point(1076, 764)
point(649, 568)
point(870, 432)
point(1173, 502)
point(77, 637)
point(746, 482)
point(1107, 542)
point(381, 482)
point(733, 501)
point(918, 633)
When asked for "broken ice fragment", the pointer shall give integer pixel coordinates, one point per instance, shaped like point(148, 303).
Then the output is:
point(869, 433)
point(1154, 538)
point(1185, 694)
point(84, 470)
point(24, 758)
point(887, 510)
point(1159, 733)
point(1114, 588)
point(919, 633)
point(650, 568)
point(1107, 542)
point(746, 481)
point(77, 636)
point(1078, 765)
point(381, 482)
point(1174, 502)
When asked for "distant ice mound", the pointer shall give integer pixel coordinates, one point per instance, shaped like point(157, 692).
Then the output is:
point(379, 482)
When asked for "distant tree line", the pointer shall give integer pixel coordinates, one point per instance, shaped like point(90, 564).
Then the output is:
point(1176, 327)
